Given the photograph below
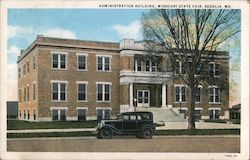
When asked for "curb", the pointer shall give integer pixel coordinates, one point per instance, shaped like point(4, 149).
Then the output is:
point(88, 130)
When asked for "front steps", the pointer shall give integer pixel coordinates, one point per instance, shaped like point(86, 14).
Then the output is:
point(162, 115)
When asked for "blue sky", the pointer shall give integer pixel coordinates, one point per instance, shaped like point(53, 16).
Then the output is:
point(87, 24)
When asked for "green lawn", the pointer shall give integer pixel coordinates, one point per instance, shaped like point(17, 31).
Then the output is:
point(176, 132)
point(50, 134)
point(234, 121)
point(18, 125)
point(179, 132)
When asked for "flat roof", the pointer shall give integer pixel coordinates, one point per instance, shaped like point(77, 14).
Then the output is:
point(63, 42)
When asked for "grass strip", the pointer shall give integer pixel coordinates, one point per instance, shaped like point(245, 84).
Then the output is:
point(22, 125)
point(50, 134)
point(178, 132)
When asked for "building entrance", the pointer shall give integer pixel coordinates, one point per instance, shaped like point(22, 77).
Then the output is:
point(143, 98)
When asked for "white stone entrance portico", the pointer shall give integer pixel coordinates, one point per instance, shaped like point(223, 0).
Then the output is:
point(132, 77)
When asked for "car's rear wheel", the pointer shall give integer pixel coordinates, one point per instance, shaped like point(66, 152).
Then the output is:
point(106, 133)
point(147, 133)
point(139, 135)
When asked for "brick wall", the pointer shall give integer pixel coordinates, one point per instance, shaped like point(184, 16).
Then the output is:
point(27, 80)
point(72, 75)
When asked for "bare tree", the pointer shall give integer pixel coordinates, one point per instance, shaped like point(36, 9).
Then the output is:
point(190, 37)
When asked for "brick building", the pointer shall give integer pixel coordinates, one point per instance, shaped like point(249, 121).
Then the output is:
point(63, 79)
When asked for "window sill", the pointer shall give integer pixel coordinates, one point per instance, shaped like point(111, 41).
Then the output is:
point(103, 101)
point(180, 102)
point(103, 70)
point(82, 101)
point(218, 103)
point(58, 101)
point(82, 70)
point(60, 69)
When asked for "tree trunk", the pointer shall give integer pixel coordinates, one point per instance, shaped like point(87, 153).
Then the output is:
point(191, 112)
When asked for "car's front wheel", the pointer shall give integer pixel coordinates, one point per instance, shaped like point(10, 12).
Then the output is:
point(147, 133)
point(105, 133)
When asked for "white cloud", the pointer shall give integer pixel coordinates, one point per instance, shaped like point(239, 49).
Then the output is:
point(27, 32)
point(59, 33)
point(133, 30)
point(18, 31)
point(14, 50)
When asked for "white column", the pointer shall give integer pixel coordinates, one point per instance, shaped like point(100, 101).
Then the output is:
point(163, 95)
point(131, 95)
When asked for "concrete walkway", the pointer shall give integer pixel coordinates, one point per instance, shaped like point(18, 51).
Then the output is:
point(199, 125)
point(168, 126)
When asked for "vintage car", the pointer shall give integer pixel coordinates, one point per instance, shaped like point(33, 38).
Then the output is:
point(128, 123)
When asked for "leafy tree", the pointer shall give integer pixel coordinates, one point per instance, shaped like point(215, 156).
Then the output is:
point(192, 38)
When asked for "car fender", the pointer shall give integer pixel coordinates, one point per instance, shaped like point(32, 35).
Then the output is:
point(107, 126)
point(147, 126)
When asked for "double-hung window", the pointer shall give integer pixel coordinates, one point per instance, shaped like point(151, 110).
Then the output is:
point(214, 69)
point(81, 113)
point(82, 91)
point(59, 114)
point(34, 114)
point(34, 91)
point(28, 67)
point(24, 94)
point(104, 63)
point(179, 68)
point(104, 92)
point(151, 66)
point(28, 93)
point(19, 72)
point(20, 95)
point(20, 114)
point(180, 93)
point(214, 94)
point(59, 60)
point(24, 114)
point(200, 69)
point(214, 113)
point(28, 114)
point(59, 90)
point(103, 113)
point(138, 65)
point(81, 61)
point(34, 62)
point(198, 95)
point(148, 65)
point(24, 69)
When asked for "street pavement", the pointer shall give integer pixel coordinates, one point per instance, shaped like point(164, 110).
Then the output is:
point(202, 144)
point(167, 126)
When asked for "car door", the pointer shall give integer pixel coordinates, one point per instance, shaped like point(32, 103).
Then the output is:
point(130, 123)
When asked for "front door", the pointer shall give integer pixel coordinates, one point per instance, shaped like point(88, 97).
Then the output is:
point(143, 97)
